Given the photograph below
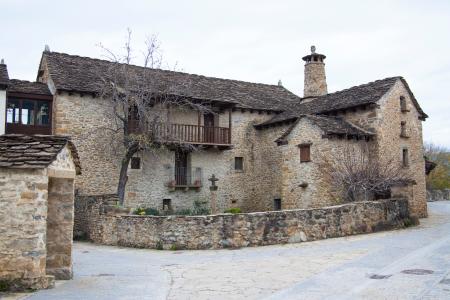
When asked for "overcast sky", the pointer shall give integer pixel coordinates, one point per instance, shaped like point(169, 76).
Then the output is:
point(258, 41)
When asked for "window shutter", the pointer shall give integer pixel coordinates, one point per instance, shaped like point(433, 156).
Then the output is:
point(305, 153)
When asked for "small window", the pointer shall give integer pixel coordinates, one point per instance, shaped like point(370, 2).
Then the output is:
point(277, 204)
point(403, 106)
point(239, 163)
point(305, 152)
point(405, 159)
point(167, 204)
point(135, 163)
point(403, 129)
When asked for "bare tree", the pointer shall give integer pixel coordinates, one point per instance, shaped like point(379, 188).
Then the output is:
point(353, 174)
point(140, 106)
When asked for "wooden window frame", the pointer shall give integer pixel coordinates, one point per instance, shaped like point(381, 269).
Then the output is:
point(305, 152)
point(25, 128)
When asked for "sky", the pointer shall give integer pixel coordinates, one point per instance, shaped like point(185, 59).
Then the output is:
point(252, 40)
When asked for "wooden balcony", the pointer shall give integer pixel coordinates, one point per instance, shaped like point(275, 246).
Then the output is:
point(192, 134)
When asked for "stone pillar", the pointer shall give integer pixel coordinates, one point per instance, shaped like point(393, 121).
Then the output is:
point(60, 227)
point(315, 83)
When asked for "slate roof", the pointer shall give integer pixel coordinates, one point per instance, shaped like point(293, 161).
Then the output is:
point(27, 87)
point(364, 94)
point(20, 151)
point(4, 78)
point(330, 126)
point(84, 74)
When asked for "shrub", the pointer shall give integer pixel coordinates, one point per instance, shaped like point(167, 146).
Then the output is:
point(159, 246)
point(234, 210)
point(200, 208)
point(149, 211)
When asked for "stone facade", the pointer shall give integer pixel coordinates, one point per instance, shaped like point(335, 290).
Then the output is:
point(270, 172)
point(390, 143)
point(23, 214)
point(240, 230)
point(36, 223)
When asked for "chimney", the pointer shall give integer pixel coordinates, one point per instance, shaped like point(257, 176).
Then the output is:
point(315, 80)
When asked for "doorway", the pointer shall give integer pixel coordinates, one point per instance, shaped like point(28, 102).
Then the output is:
point(181, 167)
point(209, 124)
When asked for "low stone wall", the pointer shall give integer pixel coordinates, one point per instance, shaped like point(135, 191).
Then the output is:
point(87, 212)
point(438, 195)
point(108, 227)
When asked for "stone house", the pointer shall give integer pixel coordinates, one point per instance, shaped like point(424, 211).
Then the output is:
point(261, 141)
point(36, 209)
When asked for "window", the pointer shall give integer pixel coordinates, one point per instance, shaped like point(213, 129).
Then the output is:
point(403, 129)
point(277, 204)
point(403, 106)
point(305, 152)
point(42, 113)
point(167, 204)
point(135, 163)
point(405, 159)
point(28, 116)
point(239, 163)
point(13, 111)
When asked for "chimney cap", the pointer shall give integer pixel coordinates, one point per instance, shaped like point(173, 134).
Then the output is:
point(314, 57)
point(280, 83)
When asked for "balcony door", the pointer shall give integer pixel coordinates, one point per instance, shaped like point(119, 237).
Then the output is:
point(181, 167)
point(208, 121)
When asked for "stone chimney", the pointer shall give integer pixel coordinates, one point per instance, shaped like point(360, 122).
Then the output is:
point(315, 80)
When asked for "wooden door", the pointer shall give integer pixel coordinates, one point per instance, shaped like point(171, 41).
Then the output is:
point(181, 167)
point(208, 121)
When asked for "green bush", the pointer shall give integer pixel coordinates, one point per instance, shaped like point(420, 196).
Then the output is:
point(200, 208)
point(149, 211)
point(234, 210)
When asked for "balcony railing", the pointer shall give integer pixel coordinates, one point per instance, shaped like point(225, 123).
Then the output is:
point(186, 177)
point(193, 134)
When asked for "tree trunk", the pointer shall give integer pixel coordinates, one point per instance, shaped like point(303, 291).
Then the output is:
point(123, 177)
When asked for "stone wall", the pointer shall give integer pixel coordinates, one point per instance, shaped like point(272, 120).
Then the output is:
point(60, 227)
point(438, 195)
point(241, 230)
point(390, 143)
point(23, 213)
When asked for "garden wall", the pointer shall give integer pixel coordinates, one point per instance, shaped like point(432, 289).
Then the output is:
point(105, 225)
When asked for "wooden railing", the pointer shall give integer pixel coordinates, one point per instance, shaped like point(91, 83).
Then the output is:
point(191, 134)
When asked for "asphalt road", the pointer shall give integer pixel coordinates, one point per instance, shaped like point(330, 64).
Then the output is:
point(413, 263)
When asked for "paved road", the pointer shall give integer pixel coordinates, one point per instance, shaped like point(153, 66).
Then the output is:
point(405, 264)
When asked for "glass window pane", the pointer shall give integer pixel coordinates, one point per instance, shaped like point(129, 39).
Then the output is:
point(12, 111)
point(42, 113)
point(28, 112)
